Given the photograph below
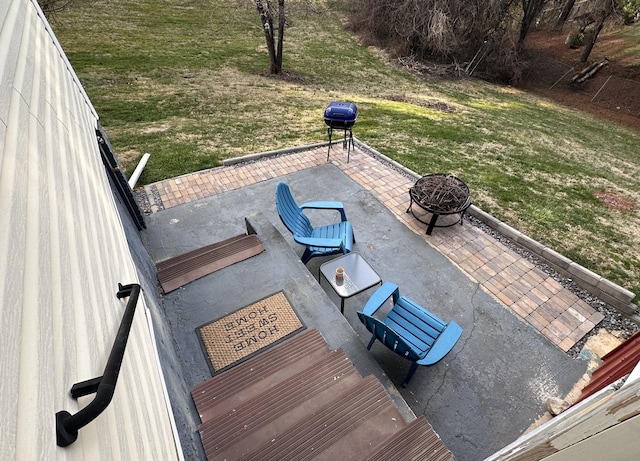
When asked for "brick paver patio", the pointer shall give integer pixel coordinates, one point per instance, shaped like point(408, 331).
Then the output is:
point(518, 284)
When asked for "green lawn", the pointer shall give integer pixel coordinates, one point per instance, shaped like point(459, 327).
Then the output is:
point(185, 81)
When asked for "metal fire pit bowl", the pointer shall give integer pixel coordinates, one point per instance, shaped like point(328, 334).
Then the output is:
point(439, 195)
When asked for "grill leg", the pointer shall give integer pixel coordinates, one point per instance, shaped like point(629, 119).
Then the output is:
point(347, 143)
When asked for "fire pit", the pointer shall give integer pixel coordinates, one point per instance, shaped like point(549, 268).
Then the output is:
point(439, 195)
point(341, 115)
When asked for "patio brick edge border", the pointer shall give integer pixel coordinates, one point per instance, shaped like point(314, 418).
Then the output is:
point(609, 292)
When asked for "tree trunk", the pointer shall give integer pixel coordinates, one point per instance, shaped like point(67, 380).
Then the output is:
point(564, 14)
point(530, 11)
point(266, 19)
point(607, 10)
point(592, 41)
point(281, 25)
point(589, 72)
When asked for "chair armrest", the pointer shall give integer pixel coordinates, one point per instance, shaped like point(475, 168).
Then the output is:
point(443, 345)
point(318, 242)
point(380, 296)
point(326, 205)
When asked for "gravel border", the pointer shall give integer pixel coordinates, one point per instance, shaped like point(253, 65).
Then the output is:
point(614, 320)
point(142, 199)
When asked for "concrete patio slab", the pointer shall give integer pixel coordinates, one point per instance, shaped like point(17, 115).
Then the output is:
point(482, 396)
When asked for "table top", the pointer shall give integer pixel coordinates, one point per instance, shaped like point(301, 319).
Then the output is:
point(358, 274)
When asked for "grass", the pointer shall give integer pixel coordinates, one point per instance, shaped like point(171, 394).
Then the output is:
point(186, 83)
point(627, 40)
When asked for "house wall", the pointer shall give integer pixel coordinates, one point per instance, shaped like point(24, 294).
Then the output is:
point(64, 251)
point(603, 445)
point(602, 427)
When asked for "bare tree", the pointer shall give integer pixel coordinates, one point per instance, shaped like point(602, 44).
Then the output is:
point(530, 11)
point(564, 14)
point(603, 9)
point(267, 11)
point(445, 28)
point(481, 34)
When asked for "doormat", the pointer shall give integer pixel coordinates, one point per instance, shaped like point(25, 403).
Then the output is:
point(241, 334)
point(180, 270)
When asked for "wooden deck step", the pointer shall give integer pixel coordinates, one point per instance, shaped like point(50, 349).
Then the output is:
point(363, 436)
point(255, 437)
point(300, 401)
point(259, 373)
point(342, 422)
point(417, 441)
point(221, 430)
point(180, 270)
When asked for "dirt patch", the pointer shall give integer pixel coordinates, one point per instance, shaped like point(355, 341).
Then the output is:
point(553, 57)
point(621, 64)
point(128, 157)
point(285, 76)
point(614, 200)
point(438, 105)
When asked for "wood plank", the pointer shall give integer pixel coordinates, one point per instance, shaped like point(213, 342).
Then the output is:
point(180, 270)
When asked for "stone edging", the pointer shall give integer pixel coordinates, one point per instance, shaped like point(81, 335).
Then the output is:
point(609, 292)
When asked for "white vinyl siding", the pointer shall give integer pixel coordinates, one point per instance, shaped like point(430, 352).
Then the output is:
point(63, 251)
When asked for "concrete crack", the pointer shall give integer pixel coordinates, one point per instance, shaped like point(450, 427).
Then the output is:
point(473, 327)
point(464, 344)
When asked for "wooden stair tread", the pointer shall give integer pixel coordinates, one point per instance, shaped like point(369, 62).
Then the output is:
point(363, 437)
point(265, 405)
point(317, 433)
point(417, 441)
point(260, 372)
point(255, 437)
point(180, 270)
point(171, 264)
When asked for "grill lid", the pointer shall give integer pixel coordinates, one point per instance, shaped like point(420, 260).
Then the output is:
point(341, 114)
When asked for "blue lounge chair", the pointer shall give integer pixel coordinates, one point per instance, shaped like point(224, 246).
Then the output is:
point(409, 329)
point(321, 240)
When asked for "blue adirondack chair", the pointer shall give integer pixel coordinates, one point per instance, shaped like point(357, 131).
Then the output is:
point(321, 240)
point(409, 329)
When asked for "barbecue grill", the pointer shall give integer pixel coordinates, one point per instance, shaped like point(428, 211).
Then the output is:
point(440, 194)
point(341, 115)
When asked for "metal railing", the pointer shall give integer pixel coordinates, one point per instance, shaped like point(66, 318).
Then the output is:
point(67, 425)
